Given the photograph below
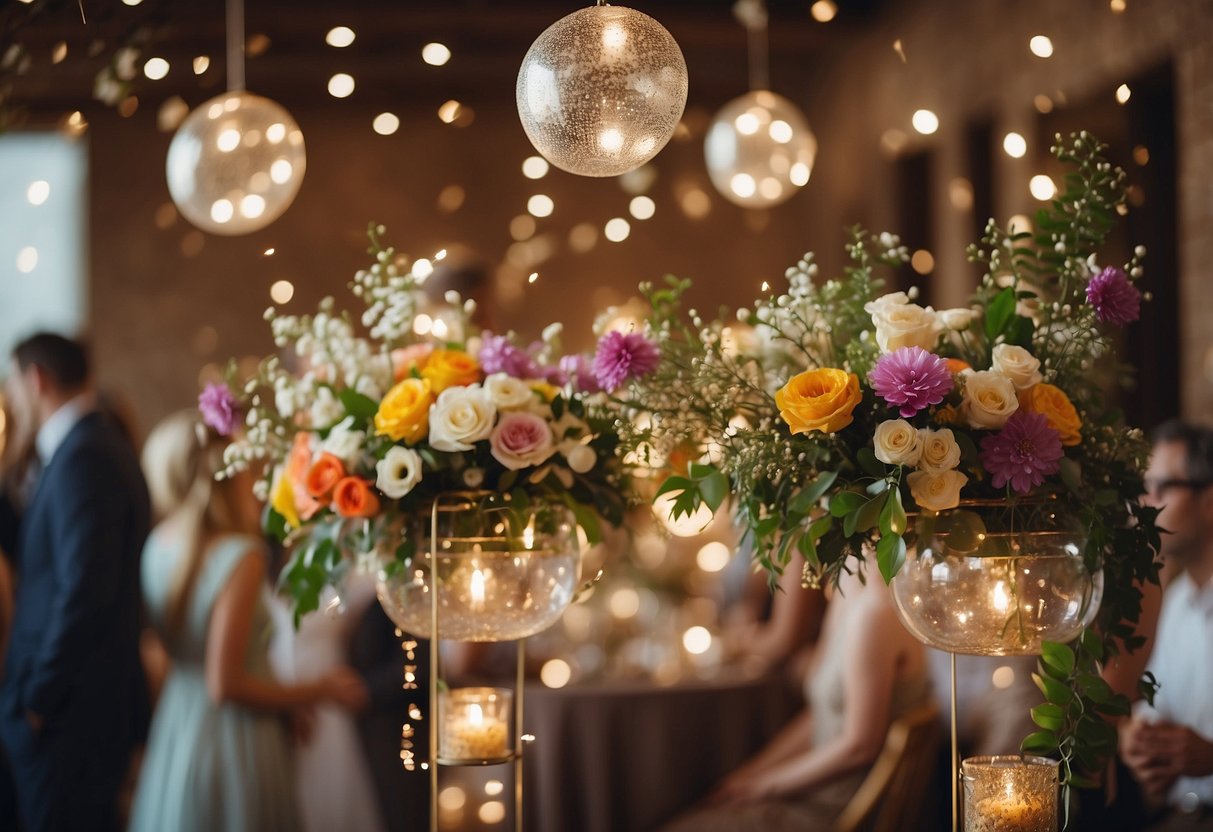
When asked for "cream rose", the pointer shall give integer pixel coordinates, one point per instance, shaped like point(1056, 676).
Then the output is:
point(897, 443)
point(900, 323)
point(989, 399)
point(509, 393)
point(461, 417)
point(398, 472)
point(957, 320)
point(936, 490)
point(1017, 364)
point(522, 440)
point(940, 452)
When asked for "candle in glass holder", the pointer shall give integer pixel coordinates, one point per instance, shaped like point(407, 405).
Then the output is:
point(1010, 794)
point(475, 725)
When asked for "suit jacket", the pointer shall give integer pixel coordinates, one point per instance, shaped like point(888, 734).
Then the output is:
point(73, 658)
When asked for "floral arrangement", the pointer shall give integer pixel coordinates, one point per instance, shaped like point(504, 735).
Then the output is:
point(834, 412)
point(355, 433)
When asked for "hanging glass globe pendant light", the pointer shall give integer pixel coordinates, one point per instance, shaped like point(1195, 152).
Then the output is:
point(236, 162)
point(601, 90)
point(759, 148)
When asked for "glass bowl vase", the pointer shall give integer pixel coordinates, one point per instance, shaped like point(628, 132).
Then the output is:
point(505, 571)
point(994, 578)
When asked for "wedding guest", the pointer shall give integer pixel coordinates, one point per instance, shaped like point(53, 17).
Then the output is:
point(218, 755)
point(1169, 747)
point(868, 672)
point(73, 704)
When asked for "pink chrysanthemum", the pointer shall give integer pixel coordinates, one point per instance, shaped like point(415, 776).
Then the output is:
point(498, 355)
point(1023, 453)
point(1115, 298)
point(911, 379)
point(219, 408)
point(621, 357)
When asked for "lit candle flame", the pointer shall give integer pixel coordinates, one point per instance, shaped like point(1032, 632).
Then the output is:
point(475, 714)
point(528, 537)
point(477, 588)
point(1001, 602)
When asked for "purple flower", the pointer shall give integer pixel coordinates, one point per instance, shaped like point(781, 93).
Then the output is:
point(1115, 299)
point(621, 357)
point(498, 355)
point(1023, 453)
point(579, 370)
point(219, 408)
point(910, 378)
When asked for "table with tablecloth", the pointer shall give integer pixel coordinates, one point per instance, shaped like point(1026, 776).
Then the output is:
point(628, 756)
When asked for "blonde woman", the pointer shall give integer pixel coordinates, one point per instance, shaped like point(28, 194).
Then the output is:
point(218, 755)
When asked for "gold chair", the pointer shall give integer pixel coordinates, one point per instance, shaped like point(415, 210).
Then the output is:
point(891, 797)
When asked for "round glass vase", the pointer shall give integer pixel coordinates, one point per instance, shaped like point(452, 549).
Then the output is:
point(996, 578)
point(1009, 793)
point(505, 571)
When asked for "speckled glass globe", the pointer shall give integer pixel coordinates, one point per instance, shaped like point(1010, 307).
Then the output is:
point(601, 91)
point(759, 150)
point(235, 164)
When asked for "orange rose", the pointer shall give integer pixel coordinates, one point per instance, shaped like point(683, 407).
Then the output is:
point(819, 400)
point(298, 463)
point(323, 477)
point(407, 359)
point(450, 368)
point(956, 366)
point(352, 497)
point(1052, 403)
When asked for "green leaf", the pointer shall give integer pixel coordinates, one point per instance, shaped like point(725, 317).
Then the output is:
point(1071, 473)
point(1054, 691)
point(1057, 656)
point(1039, 742)
point(700, 471)
point(871, 466)
point(587, 518)
point(1049, 716)
point(713, 489)
point(844, 502)
point(999, 313)
point(820, 526)
point(674, 483)
point(274, 524)
point(1092, 644)
point(897, 522)
point(877, 488)
point(1095, 689)
point(357, 405)
point(808, 548)
point(869, 515)
point(811, 493)
point(890, 555)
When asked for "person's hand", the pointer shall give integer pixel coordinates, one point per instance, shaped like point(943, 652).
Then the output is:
point(1160, 753)
point(741, 787)
point(345, 687)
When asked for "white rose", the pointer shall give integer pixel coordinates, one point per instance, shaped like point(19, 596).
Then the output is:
point(461, 417)
point(507, 392)
point(957, 320)
point(900, 323)
point(939, 450)
point(989, 399)
point(897, 443)
point(398, 472)
point(1017, 364)
point(936, 490)
point(581, 458)
point(326, 408)
point(343, 443)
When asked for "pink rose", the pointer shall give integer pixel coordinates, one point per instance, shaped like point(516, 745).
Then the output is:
point(406, 359)
point(522, 439)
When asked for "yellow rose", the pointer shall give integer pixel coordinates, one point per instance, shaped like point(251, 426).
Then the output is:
point(450, 368)
point(404, 412)
point(282, 500)
point(1052, 403)
point(819, 400)
point(548, 391)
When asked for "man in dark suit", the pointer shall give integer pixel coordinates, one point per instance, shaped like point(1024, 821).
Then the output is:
point(73, 702)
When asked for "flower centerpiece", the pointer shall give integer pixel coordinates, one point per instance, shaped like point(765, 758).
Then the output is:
point(356, 433)
point(839, 418)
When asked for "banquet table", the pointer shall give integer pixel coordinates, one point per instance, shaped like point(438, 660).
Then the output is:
point(628, 756)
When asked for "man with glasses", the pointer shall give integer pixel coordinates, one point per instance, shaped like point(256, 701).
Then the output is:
point(1169, 748)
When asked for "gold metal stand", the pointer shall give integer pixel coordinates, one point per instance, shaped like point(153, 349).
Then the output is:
point(955, 754)
point(433, 687)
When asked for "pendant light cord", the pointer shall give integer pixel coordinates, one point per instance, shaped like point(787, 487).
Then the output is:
point(752, 15)
point(235, 45)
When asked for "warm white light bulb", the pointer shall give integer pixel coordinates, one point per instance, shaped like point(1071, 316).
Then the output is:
point(435, 54)
point(1015, 145)
point(339, 36)
point(925, 122)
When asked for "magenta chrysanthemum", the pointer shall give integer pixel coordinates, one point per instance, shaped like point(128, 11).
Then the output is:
point(621, 357)
point(219, 408)
point(1115, 298)
point(1023, 453)
point(577, 370)
point(911, 379)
